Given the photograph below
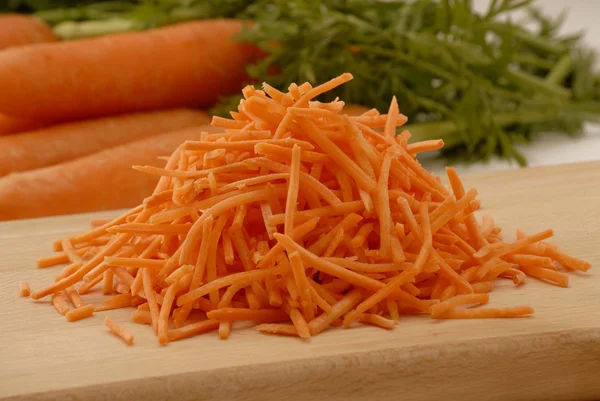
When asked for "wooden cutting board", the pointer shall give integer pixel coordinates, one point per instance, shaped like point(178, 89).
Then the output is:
point(554, 355)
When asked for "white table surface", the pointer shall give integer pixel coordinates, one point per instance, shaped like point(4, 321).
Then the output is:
point(551, 148)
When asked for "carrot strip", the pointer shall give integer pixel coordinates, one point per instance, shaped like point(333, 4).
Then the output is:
point(298, 234)
point(151, 297)
point(108, 287)
point(243, 277)
point(327, 86)
point(362, 234)
point(80, 313)
point(87, 286)
point(471, 223)
point(165, 311)
point(141, 317)
point(74, 297)
point(326, 211)
point(255, 315)
point(24, 289)
point(442, 308)
point(547, 275)
point(337, 155)
point(299, 322)
point(245, 145)
point(119, 330)
point(487, 313)
point(383, 204)
point(193, 329)
point(424, 146)
point(116, 302)
point(349, 276)
point(278, 328)
point(59, 301)
point(567, 260)
point(340, 308)
point(293, 189)
point(299, 273)
point(377, 320)
point(403, 278)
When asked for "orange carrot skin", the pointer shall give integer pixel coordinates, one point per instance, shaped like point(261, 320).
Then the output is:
point(189, 64)
point(13, 125)
point(63, 142)
point(101, 181)
point(19, 30)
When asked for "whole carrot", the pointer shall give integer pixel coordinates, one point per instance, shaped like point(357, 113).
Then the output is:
point(100, 181)
point(190, 64)
point(63, 142)
point(13, 125)
point(18, 30)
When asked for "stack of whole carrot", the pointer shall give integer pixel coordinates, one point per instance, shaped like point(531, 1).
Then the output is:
point(72, 112)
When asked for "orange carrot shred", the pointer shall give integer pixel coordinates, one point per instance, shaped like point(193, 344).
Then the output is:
point(119, 330)
point(24, 289)
point(297, 217)
point(80, 313)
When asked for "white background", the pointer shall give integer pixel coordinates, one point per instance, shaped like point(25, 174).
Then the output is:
point(550, 149)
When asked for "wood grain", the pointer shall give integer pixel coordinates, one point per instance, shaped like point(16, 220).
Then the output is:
point(554, 355)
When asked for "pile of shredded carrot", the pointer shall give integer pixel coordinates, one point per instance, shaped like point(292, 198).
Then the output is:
point(298, 218)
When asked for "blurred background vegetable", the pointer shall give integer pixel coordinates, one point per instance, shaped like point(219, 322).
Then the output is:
point(481, 81)
point(189, 64)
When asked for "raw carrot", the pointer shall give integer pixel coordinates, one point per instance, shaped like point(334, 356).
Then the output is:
point(121, 73)
point(19, 30)
point(141, 316)
point(277, 328)
point(74, 297)
point(487, 313)
point(193, 329)
point(119, 330)
point(255, 315)
point(13, 125)
point(24, 289)
point(59, 301)
point(99, 181)
point(80, 313)
point(376, 320)
point(63, 142)
point(366, 235)
point(439, 310)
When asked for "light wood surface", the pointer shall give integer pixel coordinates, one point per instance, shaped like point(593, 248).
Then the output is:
point(554, 355)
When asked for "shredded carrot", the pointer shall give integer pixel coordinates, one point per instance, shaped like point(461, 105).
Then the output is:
point(24, 289)
point(59, 301)
point(80, 313)
point(141, 316)
point(74, 297)
point(439, 310)
point(255, 315)
point(116, 302)
point(299, 218)
point(87, 286)
point(278, 328)
point(377, 320)
point(293, 189)
point(119, 330)
point(487, 313)
point(108, 286)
